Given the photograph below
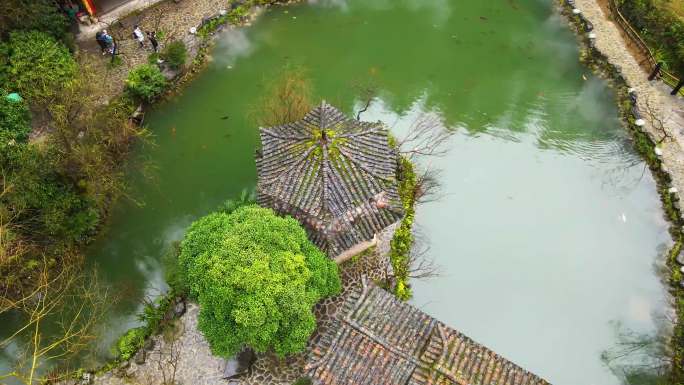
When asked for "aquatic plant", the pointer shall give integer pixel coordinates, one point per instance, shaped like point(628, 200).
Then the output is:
point(130, 343)
point(402, 241)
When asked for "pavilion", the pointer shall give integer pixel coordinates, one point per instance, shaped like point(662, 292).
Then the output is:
point(336, 175)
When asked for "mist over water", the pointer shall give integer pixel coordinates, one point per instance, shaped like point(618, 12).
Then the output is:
point(549, 228)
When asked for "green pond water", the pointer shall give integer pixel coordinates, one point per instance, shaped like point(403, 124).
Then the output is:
point(548, 229)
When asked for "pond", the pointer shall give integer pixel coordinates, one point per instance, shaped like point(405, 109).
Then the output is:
point(548, 227)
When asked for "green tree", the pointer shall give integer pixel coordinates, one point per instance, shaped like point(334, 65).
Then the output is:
point(256, 277)
point(145, 82)
point(32, 15)
point(36, 65)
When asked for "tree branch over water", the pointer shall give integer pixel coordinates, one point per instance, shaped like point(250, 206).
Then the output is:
point(59, 318)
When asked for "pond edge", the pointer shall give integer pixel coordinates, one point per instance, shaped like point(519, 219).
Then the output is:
point(645, 145)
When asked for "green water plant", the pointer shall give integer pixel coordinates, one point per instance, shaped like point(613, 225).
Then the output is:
point(130, 343)
point(256, 277)
point(402, 241)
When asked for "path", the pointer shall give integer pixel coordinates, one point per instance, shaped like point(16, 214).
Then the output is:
point(663, 113)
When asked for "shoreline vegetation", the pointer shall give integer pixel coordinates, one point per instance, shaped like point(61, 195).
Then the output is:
point(672, 370)
point(64, 142)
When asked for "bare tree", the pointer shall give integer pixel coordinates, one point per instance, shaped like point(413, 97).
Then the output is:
point(637, 354)
point(167, 358)
point(427, 136)
point(655, 119)
point(71, 303)
point(367, 91)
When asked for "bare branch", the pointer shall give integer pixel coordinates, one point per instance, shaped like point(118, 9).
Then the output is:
point(427, 137)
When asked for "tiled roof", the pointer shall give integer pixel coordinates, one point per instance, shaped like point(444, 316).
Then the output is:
point(336, 175)
point(376, 339)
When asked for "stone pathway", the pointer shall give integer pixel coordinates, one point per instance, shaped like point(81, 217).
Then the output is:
point(663, 113)
point(172, 20)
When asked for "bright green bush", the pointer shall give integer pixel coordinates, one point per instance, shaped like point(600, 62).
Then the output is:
point(36, 65)
point(256, 277)
point(175, 54)
point(130, 343)
point(145, 82)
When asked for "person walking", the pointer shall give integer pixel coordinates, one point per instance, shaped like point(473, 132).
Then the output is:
point(99, 37)
point(109, 41)
point(153, 39)
point(139, 36)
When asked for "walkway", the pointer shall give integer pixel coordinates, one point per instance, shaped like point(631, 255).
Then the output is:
point(663, 113)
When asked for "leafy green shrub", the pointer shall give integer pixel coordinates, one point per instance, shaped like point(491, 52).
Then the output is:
point(256, 277)
point(152, 58)
point(130, 343)
point(175, 54)
point(36, 65)
point(238, 13)
point(14, 121)
point(45, 202)
point(303, 381)
point(32, 15)
point(145, 82)
point(660, 27)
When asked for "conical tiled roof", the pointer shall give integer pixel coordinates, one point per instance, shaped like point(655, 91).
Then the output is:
point(336, 175)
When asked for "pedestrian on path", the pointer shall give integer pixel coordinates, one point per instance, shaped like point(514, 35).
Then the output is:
point(153, 39)
point(99, 37)
point(139, 36)
point(656, 71)
point(109, 41)
point(678, 87)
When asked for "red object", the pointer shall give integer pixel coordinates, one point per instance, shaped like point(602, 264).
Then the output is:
point(90, 7)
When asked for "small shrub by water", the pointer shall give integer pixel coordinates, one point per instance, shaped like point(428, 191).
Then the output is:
point(145, 82)
point(130, 343)
point(175, 54)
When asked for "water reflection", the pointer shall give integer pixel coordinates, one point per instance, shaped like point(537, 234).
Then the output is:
point(549, 222)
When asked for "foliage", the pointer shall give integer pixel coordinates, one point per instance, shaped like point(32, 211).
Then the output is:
point(32, 15)
point(175, 54)
point(145, 82)
point(238, 13)
point(55, 320)
point(303, 381)
point(246, 198)
point(55, 192)
point(37, 65)
point(256, 277)
point(130, 343)
point(15, 121)
point(660, 27)
point(289, 98)
point(152, 58)
point(402, 241)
